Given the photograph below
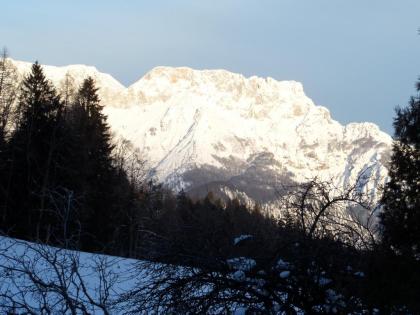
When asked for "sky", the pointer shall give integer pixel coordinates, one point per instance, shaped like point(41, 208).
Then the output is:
point(358, 58)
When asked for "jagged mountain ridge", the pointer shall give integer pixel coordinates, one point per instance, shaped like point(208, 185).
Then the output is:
point(213, 130)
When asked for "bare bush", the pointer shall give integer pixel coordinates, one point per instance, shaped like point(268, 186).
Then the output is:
point(38, 279)
point(130, 160)
point(320, 209)
point(8, 93)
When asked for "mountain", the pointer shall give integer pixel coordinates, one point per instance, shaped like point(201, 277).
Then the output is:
point(213, 130)
point(110, 89)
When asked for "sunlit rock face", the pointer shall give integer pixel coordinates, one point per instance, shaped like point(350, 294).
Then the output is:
point(213, 130)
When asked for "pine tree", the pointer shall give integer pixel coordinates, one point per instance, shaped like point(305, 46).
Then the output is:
point(34, 148)
point(401, 199)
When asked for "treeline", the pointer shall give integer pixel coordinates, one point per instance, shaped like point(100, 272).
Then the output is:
point(59, 180)
point(64, 179)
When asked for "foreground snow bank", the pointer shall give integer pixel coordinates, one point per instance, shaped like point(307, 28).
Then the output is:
point(40, 279)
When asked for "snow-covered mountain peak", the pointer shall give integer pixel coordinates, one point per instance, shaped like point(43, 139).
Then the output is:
point(216, 130)
point(219, 80)
point(202, 127)
point(109, 87)
point(254, 97)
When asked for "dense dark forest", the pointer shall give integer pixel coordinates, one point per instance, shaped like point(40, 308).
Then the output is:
point(66, 181)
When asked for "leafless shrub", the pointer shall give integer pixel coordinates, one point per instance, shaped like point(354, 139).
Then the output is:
point(321, 209)
point(130, 160)
point(8, 93)
point(39, 279)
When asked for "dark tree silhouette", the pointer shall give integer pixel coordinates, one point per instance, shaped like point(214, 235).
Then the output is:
point(97, 181)
point(401, 215)
point(35, 155)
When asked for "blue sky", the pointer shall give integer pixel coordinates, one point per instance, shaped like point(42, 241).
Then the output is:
point(358, 58)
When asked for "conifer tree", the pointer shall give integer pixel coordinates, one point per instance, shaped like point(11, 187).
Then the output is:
point(95, 130)
point(401, 215)
point(96, 178)
point(34, 147)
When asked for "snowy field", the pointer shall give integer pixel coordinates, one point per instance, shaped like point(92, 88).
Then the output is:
point(38, 279)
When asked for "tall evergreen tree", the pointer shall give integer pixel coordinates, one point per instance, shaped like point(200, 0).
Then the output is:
point(96, 178)
point(401, 215)
point(34, 148)
point(94, 128)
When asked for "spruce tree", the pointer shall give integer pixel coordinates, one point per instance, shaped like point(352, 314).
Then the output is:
point(95, 136)
point(401, 199)
point(96, 178)
point(34, 151)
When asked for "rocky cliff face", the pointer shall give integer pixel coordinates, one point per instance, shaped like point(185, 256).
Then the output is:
point(213, 130)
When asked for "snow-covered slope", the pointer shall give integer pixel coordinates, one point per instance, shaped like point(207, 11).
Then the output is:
point(110, 89)
point(213, 130)
point(41, 279)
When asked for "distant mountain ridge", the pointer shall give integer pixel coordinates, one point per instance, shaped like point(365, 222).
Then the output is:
point(213, 130)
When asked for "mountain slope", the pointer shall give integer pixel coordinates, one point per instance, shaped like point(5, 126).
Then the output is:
point(212, 130)
point(110, 89)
